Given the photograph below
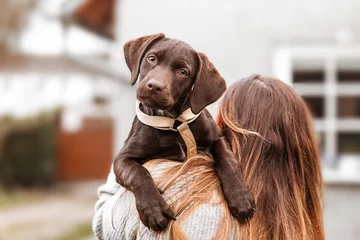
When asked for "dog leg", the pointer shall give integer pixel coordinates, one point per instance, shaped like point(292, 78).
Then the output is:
point(236, 192)
point(154, 212)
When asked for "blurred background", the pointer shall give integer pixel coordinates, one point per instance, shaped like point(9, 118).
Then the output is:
point(66, 104)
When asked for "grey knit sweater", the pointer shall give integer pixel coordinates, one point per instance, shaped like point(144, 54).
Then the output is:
point(116, 216)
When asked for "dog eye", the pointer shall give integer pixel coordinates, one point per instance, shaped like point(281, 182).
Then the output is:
point(151, 59)
point(183, 73)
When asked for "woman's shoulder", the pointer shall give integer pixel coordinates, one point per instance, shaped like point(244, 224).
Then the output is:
point(200, 209)
point(119, 220)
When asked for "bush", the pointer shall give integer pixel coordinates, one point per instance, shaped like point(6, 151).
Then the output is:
point(27, 150)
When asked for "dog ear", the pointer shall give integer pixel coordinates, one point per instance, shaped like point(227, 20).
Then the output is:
point(208, 87)
point(134, 51)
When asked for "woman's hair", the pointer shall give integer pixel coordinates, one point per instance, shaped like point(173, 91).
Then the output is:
point(281, 163)
point(269, 129)
point(192, 183)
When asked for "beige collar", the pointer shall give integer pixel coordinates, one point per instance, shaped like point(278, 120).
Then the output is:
point(164, 123)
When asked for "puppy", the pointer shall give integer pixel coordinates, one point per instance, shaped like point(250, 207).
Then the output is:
point(172, 78)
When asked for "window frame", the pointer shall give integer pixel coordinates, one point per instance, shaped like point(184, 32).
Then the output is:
point(283, 65)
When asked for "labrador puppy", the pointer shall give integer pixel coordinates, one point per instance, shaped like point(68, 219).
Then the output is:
point(173, 77)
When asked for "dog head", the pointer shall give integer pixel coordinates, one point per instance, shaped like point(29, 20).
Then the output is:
point(171, 73)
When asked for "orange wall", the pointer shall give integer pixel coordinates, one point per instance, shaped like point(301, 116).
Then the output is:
point(86, 154)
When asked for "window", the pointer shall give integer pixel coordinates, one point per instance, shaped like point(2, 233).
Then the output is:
point(349, 143)
point(316, 105)
point(348, 70)
point(348, 76)
point(308, 76)
point(348, 107)
point(328, 79)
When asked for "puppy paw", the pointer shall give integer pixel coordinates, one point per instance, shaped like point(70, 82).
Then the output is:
point(241, 205)
point(155, 213)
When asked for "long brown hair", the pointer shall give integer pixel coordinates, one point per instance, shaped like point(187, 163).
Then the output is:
point(270, 130)
point(280, 163)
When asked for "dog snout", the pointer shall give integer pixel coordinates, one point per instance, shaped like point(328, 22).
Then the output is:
point(155, 85)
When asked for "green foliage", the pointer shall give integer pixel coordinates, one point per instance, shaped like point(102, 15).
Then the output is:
point(27, 150)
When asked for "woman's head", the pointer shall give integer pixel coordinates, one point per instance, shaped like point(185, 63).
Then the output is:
point(269, 128)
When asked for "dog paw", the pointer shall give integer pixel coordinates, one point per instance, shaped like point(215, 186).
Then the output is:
point(155, 213)
point(241, 205)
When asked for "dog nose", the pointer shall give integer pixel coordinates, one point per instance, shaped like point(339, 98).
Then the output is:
point(155, 85)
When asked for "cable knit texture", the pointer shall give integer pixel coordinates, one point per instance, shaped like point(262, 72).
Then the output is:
point(116, 216)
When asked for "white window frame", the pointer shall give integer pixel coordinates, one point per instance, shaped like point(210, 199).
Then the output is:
point(330, 125)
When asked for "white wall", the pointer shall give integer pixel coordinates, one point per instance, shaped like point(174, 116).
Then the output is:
point(239, 35)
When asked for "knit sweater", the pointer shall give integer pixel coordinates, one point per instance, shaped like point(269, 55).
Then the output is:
point(116, 216)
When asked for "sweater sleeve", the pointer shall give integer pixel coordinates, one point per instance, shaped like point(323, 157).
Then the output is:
point(109, 194)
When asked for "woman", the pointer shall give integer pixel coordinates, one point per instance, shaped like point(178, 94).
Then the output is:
point(269, 129)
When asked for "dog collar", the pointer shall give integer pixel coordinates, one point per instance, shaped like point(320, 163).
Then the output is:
point(164, 123)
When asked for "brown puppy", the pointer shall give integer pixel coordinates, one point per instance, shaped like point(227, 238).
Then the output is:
point(172, 78)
